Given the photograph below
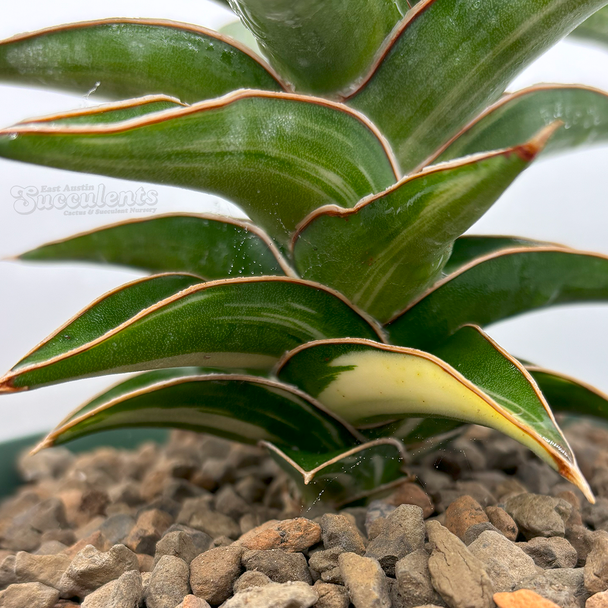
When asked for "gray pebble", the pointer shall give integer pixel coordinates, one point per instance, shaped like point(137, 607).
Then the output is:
point(365, 581)
point(403, 533)
point(278, 565)
point(564, 586)
point(473, 532)
point(341, 531)
point(178, 544)
point(331, 596)
point(249, 579)
point(227, 501)
point(91, 568)
point(201, 541)
point(32, 595)
point(169, 583)
point(538, 515)
point(414, 586)
point(505, 563)
point(458, 576)
point(553, 552)
point(596, 566)
point(125, 592)
point(117, 527)
point(286, 595)
point(215, 524)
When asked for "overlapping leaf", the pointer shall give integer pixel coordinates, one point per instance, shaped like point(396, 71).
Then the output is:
point(319, 46)
point(390, 247)
point(278, 156)
point(234, 323)
point(120, 58)
point(594, 28)
point(517, 116)
point(499, 285)
point(208, 246)
point(446, 62)
point(469, 379)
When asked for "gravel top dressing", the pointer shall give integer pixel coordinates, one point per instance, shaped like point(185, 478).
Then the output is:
point(201, 522)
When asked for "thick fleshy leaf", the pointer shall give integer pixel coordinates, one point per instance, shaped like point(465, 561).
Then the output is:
point(319, 46)
point(594, 28)
point(209, 246)
point(447, 61)
point(233, 323)
point(568, 395)
point(468, 248)
point(499, 285)
point(278, 156)
point(469, 379)
point(243, 408)
point(517, 116)
point(391, 247)
point(344, 476)
point(111, 112)
point(120, 58)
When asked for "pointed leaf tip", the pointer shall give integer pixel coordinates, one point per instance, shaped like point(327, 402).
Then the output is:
point(528, 151)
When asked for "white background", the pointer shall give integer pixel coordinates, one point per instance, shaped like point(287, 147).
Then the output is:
point(560, 199)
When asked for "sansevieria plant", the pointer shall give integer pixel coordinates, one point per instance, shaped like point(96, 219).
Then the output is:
point(344, 323)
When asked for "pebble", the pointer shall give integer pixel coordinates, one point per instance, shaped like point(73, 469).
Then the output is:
point(213, 573)
point(215, 524)
point(178, 544)
point(414, 586)
point(402, 533)
point(277, 595)
point(45, 569)
point(581, 539)
point(463, 513)
point(292, 535)
point(503, 522)
point(32, 595)
point(552, 552)
point(279, 566)
point(365, 581)
point(249, 579)
point(326, 564)
point(191, 601)
point(474, 532)
point(331, 596)
point(409, 493)
point(596, 566)
point(463, 488)
point(117, 527)
point(91, 568)
point(201, 541)
point(147, 531)
point(377, 512)
point(524, 598)
point(598, 600)
point(457, 575)
point(124, 592)
point(341, 531)
point(505, 563)
point(168, 584)
point(539, 515)
point(46, 464)
point(564, 586)
point(227, 501)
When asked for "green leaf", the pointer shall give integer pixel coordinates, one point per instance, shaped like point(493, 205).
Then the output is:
point(517, 116)
point(594, 28)
point(448, 60)
point(243, 408)
point(344, 476)
point(120, 58)
point(208, 246)
point(467, 248)
point(469, 379)
point(391, 247)
point(500, 285)
point(319, 47)
point(278, 156)
point(568, 395)
point(232, 323)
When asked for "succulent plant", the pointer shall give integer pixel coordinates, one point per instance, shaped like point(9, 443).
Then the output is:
point(341, 325)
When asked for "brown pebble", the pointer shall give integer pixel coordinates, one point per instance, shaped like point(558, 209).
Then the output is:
point(290, 535)
point(599, 600)
point(214, 572)
point(191, 601)
point(503, 522)
point(409, 493)
point(147, 531)
point(145, 561)
point(97, 539)
point(524, 598)
point(463, 513)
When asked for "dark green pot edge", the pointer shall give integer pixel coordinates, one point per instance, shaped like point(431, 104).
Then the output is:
point(123, 438)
